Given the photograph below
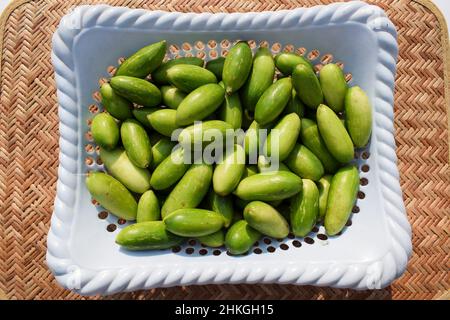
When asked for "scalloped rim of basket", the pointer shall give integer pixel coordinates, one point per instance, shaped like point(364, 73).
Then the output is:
point(15, 4)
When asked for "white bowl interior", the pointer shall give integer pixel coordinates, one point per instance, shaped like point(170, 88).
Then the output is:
point(93, 247)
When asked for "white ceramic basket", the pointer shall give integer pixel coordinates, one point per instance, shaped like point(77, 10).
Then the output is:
point(370, 254)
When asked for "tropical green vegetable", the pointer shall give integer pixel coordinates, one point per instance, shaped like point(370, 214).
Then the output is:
point(196, 134)
point(148, 207)
point(170, 170)
point(164, 121)
point(282, 137)
point(216, 66)
point(358, 116)
point(324, 187)
point(241, 237)
point(118, 107)
point(199, 104)
point(112, 195)
point(266, 219)
point(341, 198)
point(269, 186)
point(334, 86)
point(228, 173)
point(222, 205)
point(120, 167)
point(213, 240)
point(136, 142)
point(144, 61)
point(236, 67)
point(141, 115)
point(188, 77)
point(295, 105)
point(105, 131)
point(172, 96)
point(190, 190)
point(231, 110)
point(159, 76)
point(260, 78)
point(304, 163)
point(149, 235)
point(334, 134)
point(305, 209)
point(272, 102)
point(312, 139)
point(137, 90)
point(161, 150)
point(307, 86)
point(287, 61)
point(188, 222)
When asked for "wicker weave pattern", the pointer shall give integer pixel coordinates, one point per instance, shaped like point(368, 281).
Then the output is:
point(28, 145)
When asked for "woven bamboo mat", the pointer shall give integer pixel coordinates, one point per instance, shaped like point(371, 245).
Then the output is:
point(29, 150)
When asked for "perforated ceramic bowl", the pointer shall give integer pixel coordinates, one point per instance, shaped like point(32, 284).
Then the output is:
point(371, 251)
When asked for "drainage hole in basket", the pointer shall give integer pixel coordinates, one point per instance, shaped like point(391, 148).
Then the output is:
point(284, 246)
point(186, 46)
point(314, 54)
point(225, 43)
point(276, 47)
point(309, 240)
point(340, 64)
point(121, 221)
point(361, 195)
point(365, 168)
point(217, 252)
point(348, 77)
point(103, 215)
point(364, 181)
point(224, 52)
point(111, 227)
point(213, 54)
point(322, 236)
point(271, 249)
point(348, 223)
point(296, 243)
point(365, 155)
point(355, 209)
point(93, 108)
point(251, 44)
point(203, 252)
point(96, 96)
point(289, 48)
point(89, 148)
point(89, 161)
point(300, 51)
point(88, 136)
point(189, 250)
point(327, 58)
point(199, 45)
point(257, 251)
point(102, 81)
point(264, 44)
point(212, 44)
point(111, 70)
